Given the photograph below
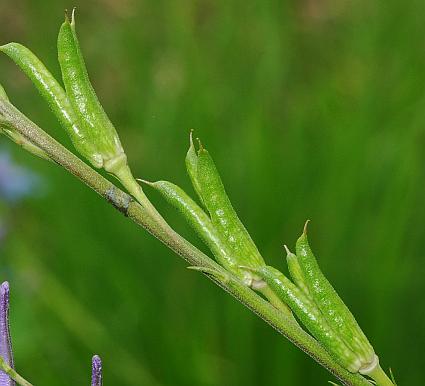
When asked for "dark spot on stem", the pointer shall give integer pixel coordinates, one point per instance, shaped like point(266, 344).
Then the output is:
point(118, 199)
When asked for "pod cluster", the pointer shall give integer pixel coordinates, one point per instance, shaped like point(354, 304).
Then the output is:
point(218, 225)
point(309, 294)
point(76, 106)
point(318, 306)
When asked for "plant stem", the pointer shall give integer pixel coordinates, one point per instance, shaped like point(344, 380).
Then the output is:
point(146, 216)
point(12, 373)
point(379, 376)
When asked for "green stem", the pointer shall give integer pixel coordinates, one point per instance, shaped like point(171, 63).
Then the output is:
point(379, 376)
point(146, 216)
point(12, 373)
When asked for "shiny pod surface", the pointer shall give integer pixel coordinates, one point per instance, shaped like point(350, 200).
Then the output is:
point(198, 220)
point(192, 169)
point(333, 308)
point(311, 317)
point(49, 88)
point(95, 124)
point(296, 272)
point(223, 216)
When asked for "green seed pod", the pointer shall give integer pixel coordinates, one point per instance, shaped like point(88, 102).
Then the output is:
point(95, 124)
point(296, 272)
point(223, 215)
point(54, 95)
point(7, 129)
point(331, 305)
point(203, 226)
point(192, 168)
point(311, 317)
point(199, 221)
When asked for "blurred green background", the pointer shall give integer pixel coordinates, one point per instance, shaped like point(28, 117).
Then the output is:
point(311, 109)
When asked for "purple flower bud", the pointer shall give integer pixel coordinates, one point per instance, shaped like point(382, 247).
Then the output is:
point(5, 343)
point(96, 371)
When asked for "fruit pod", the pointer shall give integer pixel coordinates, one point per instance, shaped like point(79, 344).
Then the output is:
point(223, 216)
point(206, 230)
point(96, 127)
point(331, 305)
point(310, 316)
point(192, 168)
point(296, 272)
point(55, 96)
point(199, 221)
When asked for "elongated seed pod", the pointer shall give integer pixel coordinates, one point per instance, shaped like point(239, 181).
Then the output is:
point(55, 96)
point(205, 229)
point(223, 215)
point(331, 305)
point(95, 124)
point(199, 221)
point(192, 168)
point(310, 316)
point(295, 271)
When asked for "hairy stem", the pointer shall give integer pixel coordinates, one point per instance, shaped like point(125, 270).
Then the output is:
point(147, 217)
point(12, 373)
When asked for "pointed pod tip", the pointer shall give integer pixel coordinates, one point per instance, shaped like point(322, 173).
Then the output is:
point(201, 147)
point(145, 182)
point(66, 15)
point(8, 46)
point(305, 228)
point(70, 16)
point(288, 251)
point(73, 17)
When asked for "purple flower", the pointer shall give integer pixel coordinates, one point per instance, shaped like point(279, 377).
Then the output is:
point(5, 343)
point(96, 371)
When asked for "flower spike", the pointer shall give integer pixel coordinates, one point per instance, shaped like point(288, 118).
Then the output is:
point(5, 343)
point(96, 371)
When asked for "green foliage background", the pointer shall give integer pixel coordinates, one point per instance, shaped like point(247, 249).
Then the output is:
point(311, 109)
